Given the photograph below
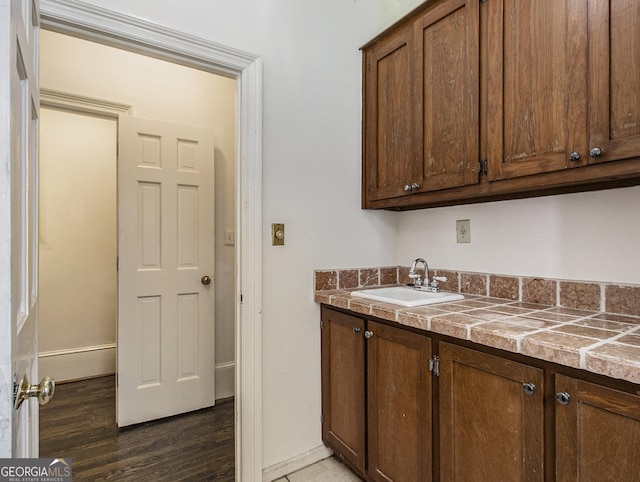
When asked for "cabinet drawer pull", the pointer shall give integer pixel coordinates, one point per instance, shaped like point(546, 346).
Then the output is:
point(356, 330)
point(595, 152)
point(574, 156)
point(563, 398)
point(368, 334)
point(528, 388)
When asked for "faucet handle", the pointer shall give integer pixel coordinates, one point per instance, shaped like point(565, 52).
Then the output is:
point(434, 282)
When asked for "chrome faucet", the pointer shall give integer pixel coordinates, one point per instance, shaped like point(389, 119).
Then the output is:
point(422, 283)
point(412, 273)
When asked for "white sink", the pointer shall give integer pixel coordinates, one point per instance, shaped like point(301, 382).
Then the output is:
point(406, 296)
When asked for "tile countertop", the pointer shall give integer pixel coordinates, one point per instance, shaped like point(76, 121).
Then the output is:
point(601, 343)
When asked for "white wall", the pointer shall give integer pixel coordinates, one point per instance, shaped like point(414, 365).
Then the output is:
point(77, 243)
point(592, 236)
point(162, 91)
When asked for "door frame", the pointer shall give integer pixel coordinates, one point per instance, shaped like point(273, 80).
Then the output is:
point(117, 30)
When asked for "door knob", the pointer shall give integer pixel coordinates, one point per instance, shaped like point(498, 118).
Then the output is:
point(43, 391)
point(529, 388)
point(574, 156)
point(206, 280)
point(563, 398)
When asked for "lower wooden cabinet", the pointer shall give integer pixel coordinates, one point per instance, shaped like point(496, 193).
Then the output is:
point(395, 420)
point(343, 386)
point(491, 417)
point(401, 406)
point(597, 432)
point(398, 404)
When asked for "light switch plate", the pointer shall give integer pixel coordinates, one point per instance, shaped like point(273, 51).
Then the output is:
point(229, 237)
point(277, 234)
point(463, 231)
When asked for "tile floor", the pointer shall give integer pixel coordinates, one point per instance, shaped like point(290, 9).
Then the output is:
point(327, 470)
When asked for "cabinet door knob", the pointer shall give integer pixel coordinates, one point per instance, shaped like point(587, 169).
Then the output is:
point(368, 334)
point(574, 156)
point(415, 185)
point(563, 398)
point(528, 388)
point(595, 152)
point(356, 330)
point(407, 188)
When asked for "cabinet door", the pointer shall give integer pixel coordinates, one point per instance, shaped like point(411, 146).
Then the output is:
point(343, 386)
point(389, 157)
point(399, 404)
point(421, 104)
point(491, 425)
point(536, 86)
point(597, 433)
point(447, 94)
point(614, 76)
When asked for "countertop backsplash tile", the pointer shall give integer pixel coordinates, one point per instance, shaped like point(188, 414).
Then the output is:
point(590, 296)
point(582, 324)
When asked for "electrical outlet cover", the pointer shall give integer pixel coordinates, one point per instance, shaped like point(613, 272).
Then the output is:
point(463, 231)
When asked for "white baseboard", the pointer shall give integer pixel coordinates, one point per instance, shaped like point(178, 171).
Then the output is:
point(76, 363)
point(296, 463)
point(225, 379)
point(100, 360)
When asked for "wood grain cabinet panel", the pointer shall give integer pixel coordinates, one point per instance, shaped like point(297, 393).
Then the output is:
point(399, 404)
point(597, 433)
point(421, 107)
point(614, 76)
point(491, 425)
point(389, 117)
point(343, 386)
point(472, 101)
point(536, 86)
point(392, 414)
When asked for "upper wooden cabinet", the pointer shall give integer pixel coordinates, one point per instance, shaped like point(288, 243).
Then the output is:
point(421, 104)
point(469, 101)
point(614, 76)
point(536, 80)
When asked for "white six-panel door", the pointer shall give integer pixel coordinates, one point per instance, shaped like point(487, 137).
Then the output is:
point(19, 108)
point(166, 251)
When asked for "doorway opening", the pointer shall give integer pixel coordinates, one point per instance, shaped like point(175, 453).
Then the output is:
point(79, 224)
point(78, 183)
point(103, 26)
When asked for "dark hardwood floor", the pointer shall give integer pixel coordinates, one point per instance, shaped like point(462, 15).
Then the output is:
point(79, 423)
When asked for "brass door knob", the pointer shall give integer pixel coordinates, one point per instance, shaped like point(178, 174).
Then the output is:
point(206, 280)
point(43, 391)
